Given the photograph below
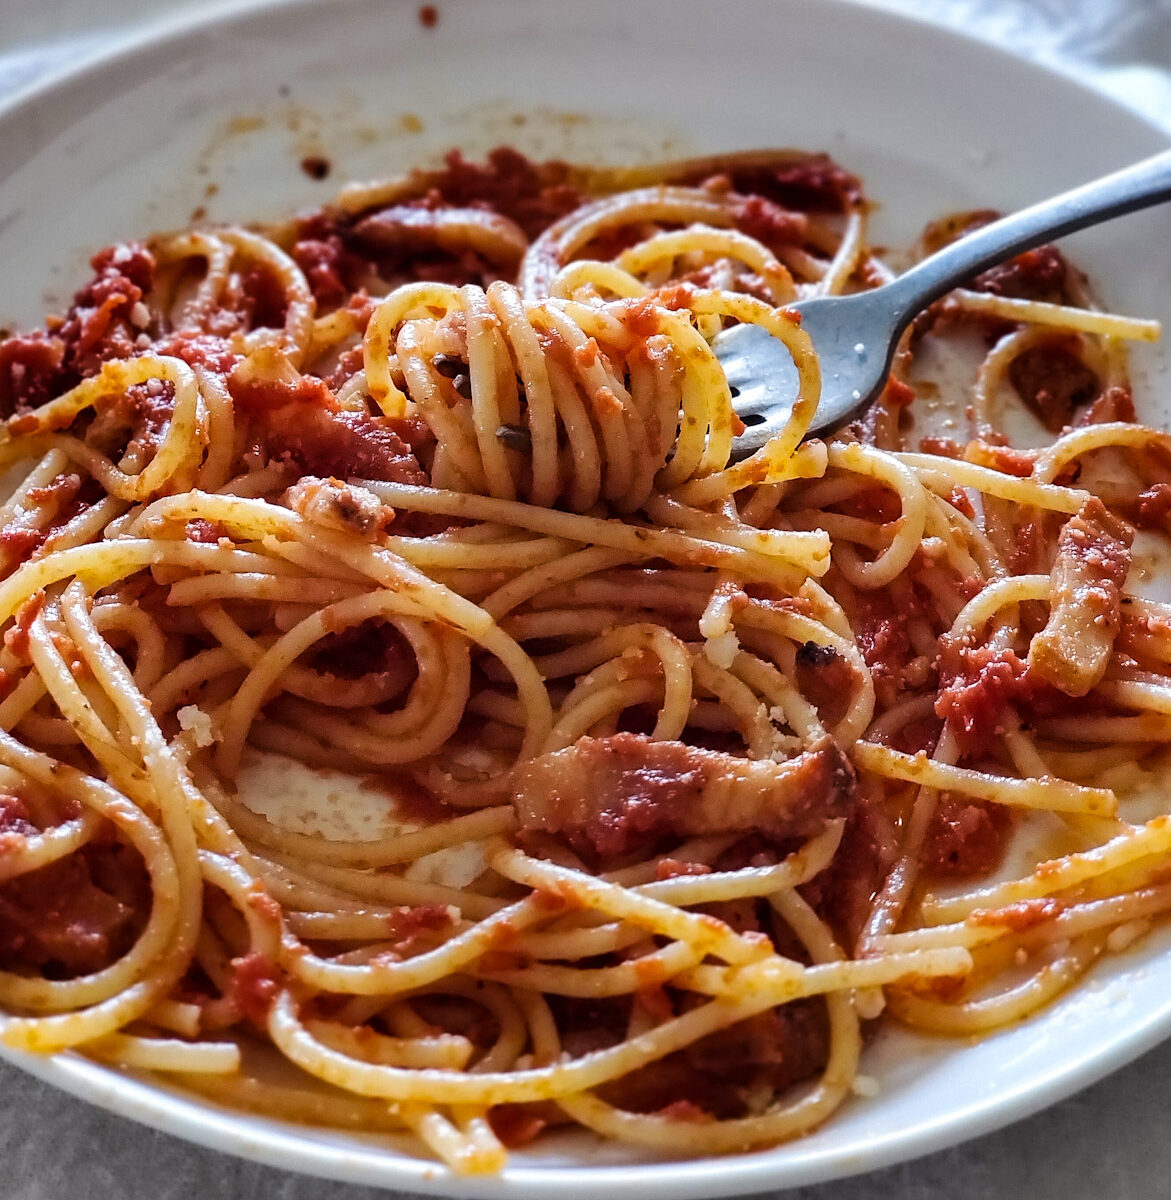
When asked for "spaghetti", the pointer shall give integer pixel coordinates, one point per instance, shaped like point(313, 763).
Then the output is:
point(436, 488)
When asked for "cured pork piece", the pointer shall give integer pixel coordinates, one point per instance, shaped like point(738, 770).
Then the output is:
point(1093, 559)
point(615, 792)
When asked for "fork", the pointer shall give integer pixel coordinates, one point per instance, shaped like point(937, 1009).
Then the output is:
point(855, 336)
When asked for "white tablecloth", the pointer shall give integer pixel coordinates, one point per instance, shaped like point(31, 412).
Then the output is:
point(1108, 1143)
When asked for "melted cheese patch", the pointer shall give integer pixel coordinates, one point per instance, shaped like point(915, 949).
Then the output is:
point(336, 806)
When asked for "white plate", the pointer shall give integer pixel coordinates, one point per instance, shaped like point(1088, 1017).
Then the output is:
point(218, 116)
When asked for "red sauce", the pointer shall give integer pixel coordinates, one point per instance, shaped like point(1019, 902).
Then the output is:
point(300, 426)
point(883, 635)
point(412, 928)
point(1154, 505)
point(256, 979)
point(1022, 915)
point(200, 350)
point(207, 532)
point(147, 410)
point(976, 686)
point(673, 868)
point(99, 326)
point(1003, 458)
point(944, 446)
point(897, 394)
point(532, 195)
point(715, 1076)
point(769, 222)
point(1054, 381)
point(264, 302)
point(519, 1124)
point(371, 648)
point(15, 821)
point(261, 395)
point(412, 803)
point(19, 542)
point(810, 184)
point(16, 637)
point(315, 166)
point(684, 1112)
point(1038, 274)
point(1114, 404)
point(966, 840)
point(29, 369)
point(329, 267)
point(76, 915)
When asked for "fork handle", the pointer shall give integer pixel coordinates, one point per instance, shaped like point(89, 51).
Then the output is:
point(1133, 188)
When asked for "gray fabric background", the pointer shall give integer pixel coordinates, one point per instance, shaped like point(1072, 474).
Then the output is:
point(1111, 1142)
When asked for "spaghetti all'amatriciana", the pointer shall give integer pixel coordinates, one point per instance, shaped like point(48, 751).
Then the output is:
point(693, 767)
